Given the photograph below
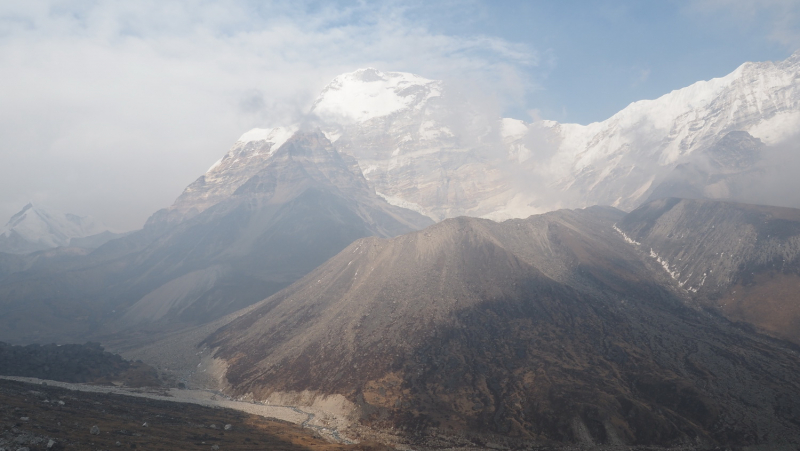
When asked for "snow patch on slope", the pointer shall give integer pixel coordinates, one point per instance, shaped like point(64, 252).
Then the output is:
point(625, 237)
point(277, 136)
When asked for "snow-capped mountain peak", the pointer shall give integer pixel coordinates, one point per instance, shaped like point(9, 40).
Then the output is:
point(617, 161)
point(434, 149)
point(258, 141)
point(36, 228)
point(369, 93)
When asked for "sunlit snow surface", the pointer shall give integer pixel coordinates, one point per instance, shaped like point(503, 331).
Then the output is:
point(367, 94)
point(271, 138)
point(760, 98)
point(412, 153)
point(49, 228)
point(423, 149)
point(277, 136)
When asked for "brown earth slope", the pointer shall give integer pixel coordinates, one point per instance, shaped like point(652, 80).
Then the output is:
point(551, 328)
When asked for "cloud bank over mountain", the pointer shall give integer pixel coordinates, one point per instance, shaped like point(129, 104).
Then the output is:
point(139, 98)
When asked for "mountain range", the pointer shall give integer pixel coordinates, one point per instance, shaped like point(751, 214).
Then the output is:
point(633, 294)
point(433, 148)
point(427, 146)
point(551, 328)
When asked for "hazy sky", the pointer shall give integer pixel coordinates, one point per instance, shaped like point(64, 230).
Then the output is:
point(110, 109)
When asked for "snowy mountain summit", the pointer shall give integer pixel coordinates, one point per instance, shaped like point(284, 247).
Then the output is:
point(621, 160)
point(367, 94)
point(424, 146)
point(421, 144)
point(35, 228)
point(436, 149)
point(250, 154)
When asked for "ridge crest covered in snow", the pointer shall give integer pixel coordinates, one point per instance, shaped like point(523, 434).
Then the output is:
point(423, 146)
point(36, 228)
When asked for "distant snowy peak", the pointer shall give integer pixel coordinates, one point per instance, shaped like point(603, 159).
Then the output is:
point(258, 141)
point(756, 97)
point(407, 147)
point(17, 218)
point(37, 228)
point(369, 93)
point(255, 151)
point(436, 150)
point(248, 155)
point(617, 161)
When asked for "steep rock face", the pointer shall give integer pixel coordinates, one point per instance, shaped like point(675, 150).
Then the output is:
point(420, 146)
point(249, 155)
point(35, 228)
point(741, 260)
point(302, 207)
point(549, 328)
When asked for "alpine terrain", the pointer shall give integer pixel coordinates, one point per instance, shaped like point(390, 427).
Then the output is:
point(425, 145)
point(742, 261)
point(267, 214)
point(437, 276)
point(550, 328)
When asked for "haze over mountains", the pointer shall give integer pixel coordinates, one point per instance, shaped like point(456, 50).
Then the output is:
point(312, 250)
point(35, 228)
point(424, 145)
point(278, 213)
point(427, 146)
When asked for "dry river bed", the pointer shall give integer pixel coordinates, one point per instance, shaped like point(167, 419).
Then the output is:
point(119, 416)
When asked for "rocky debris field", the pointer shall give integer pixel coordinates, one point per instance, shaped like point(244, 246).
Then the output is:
point(43, 417)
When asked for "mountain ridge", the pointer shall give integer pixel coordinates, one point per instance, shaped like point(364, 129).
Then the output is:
point(545, 328)
point(425, 145)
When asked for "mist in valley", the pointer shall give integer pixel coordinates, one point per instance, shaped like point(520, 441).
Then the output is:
point(449, 225)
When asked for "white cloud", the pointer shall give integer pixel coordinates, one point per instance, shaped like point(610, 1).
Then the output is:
point(111, 108)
